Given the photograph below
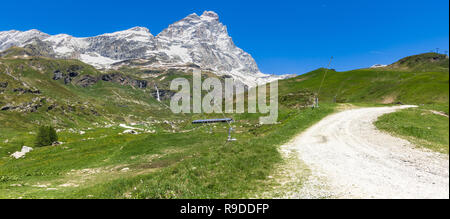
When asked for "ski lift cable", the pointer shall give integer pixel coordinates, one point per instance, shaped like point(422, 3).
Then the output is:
point(323, 79)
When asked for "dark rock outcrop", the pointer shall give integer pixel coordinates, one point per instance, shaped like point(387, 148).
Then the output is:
point(26, 107)
point(4, 84)
point(73, 74)
point(57, 75)
point(26, 91)
point(140, 83)
point(67, 80)
point(30, 107)
point(51, 107)
point(74, 68)
point(124, 80)
point(86, 80)
point(7, 107)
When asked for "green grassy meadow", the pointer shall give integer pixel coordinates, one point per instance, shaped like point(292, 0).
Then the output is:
point(170, 157)
point(420, 126)
point(194, 164)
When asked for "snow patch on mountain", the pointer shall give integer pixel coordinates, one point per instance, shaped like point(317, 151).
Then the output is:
point(97, 60)
point(378, 66)
point(65, 45)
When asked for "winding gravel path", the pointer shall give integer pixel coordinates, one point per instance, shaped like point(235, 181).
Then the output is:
point(350, 158)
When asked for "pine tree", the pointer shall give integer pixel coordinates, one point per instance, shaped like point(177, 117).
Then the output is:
point(41, 137)
point(46, 136)
point(53, 137)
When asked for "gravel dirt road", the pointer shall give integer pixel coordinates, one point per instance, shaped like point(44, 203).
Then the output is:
point(349, 158)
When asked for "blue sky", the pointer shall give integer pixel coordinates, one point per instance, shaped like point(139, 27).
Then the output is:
point(282, 36)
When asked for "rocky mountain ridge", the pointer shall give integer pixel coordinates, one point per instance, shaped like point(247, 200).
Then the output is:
point(193, 42)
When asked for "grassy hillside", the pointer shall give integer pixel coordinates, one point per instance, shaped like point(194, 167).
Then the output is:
point(409, 85)
point(169, 158)
point(427, 62)
point(31, 95)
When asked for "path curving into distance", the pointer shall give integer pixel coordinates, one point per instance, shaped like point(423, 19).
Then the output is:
point(350, 158)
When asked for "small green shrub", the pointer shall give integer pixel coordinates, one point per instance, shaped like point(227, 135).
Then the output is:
point(46, 136)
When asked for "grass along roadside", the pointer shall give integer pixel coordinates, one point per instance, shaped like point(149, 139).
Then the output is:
point(192, 164)
point(211, 169)
point(420, 126)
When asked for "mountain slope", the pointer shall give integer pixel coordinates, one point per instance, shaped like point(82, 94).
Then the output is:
point(70, 93)
point(200, 40)
point(421, 82)
point(423, 62)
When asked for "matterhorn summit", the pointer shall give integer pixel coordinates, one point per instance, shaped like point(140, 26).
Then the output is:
point(200, 41)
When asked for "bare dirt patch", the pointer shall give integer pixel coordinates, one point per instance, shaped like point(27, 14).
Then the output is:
point(389, 99)
point(439, 113)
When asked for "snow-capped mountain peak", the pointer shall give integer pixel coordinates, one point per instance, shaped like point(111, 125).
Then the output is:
point(135, 33)
point(210, 15)
point(18, 38)
point(200, 40)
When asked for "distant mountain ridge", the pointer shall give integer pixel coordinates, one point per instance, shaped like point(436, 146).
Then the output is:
point(195, 41)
